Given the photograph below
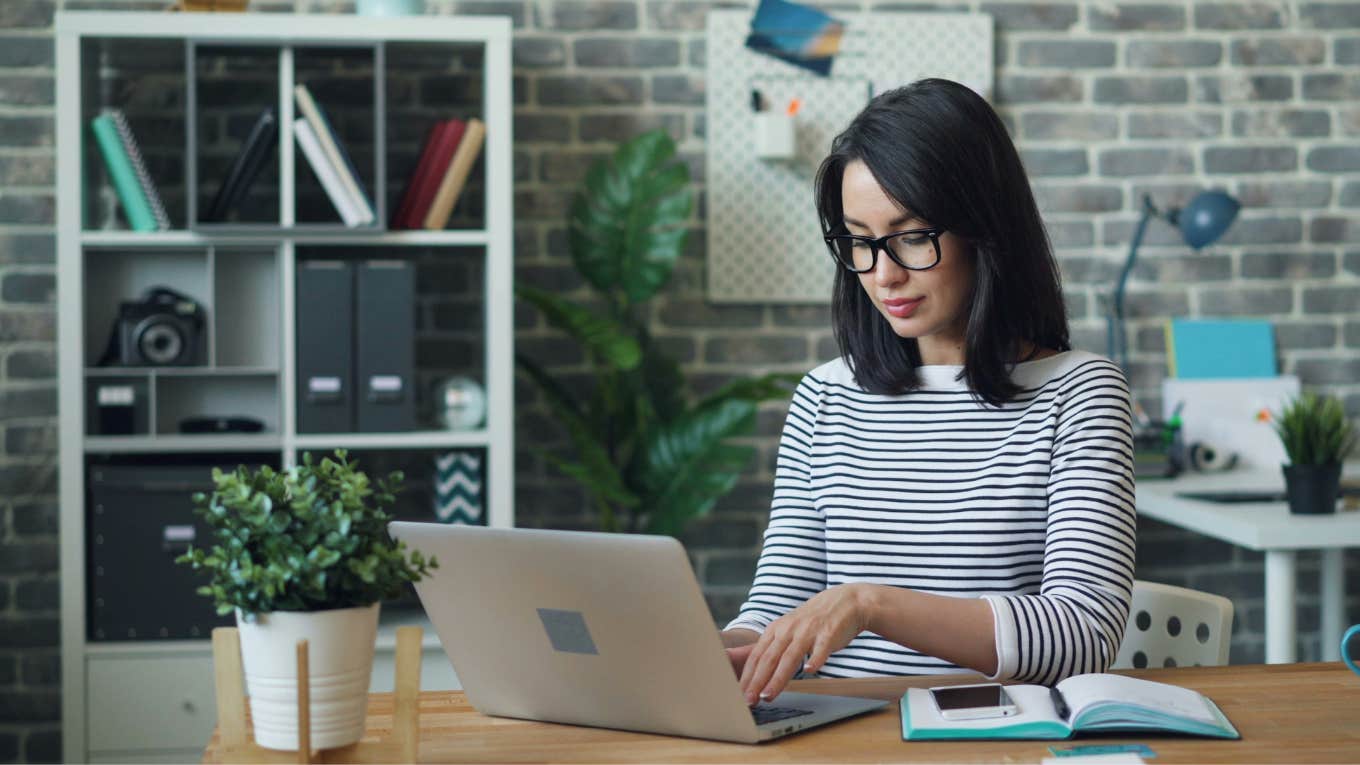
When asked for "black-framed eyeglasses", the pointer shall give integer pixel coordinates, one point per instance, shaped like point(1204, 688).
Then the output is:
point(917, 249)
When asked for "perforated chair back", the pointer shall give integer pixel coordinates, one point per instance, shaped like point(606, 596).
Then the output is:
point(1175, 627)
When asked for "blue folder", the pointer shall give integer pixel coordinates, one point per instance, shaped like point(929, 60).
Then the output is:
point(1218, 349)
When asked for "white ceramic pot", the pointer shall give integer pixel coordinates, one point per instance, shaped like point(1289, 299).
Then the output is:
point(340, 656)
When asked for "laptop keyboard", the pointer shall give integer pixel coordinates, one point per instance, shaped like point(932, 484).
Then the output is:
point(765, 714)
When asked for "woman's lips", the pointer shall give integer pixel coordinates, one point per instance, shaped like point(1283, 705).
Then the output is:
point(901, 308)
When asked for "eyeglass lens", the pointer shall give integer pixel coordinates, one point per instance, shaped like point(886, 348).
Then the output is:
point(911, 250)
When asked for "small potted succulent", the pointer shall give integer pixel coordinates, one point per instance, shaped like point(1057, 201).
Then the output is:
point(304, 553)
point(1316, 437)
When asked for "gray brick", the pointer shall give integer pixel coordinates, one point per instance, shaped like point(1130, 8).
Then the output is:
point(1290, 266)
point(27, 90)
point(1239, 16)
point(542, 128)
point(1346, 50)
point(1273, 230)
point(1077, 306)
point(678, 89)
point(1334, 159)
point(1305, 336)
point(700, 314)
point(43, 746)
point(1353, 334)
point(627, 52)
point(1327, 371)
point(1329, 229)
point(1239, 87)
point(17, 51)
point(1053, 198)
point(1246, 301)
point(27, 170)
point(1068, 54)
point(1150, 340)
point(28, 558)
point(26, 13)
point(25, 248)
point(538, 52)
point(24, 130)
point(766, 349)
point(37, 595)
point(24, 440)
point(1330, 16)
point(1349, 123)
point(1087, 270)
point(27, 325)
point(1165, 195)
point(451, 90)
point(1141, 90)
point(9, 673)
point(1279, 51)
point(594, 15)
point(1017, 89)
point(681, 14)
point(1040, 162)
point(1281, 123)
point(567, 167)
point(33, 520)
point(1173, 53)
point(1076, 126)
point(31, 365)
point(1129, 162)
point(1331, 87)
point(1119, 232)
point(815, 317)
point(518, 13)
point(730, 569)
point(1351, 263)
point(27, 403)
point(698, 53)
point(1175, 124)
point(22, 287)
point(1143, 17)
point(1350, 194)
point(1250, 159)
point(583, 91)
point(721, 533)
point(1181, 269)
point(1303, 194)
point(1165, 302)
point(1015, 17)
point(27, 208)
point(1344, 300)
point(1070, 233)
point(617, 127)
point(30, 706)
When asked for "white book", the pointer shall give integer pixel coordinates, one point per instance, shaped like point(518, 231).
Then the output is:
point(330, 180)
point(322, 129)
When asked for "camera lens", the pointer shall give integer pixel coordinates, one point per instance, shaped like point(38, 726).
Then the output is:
point(160, 343)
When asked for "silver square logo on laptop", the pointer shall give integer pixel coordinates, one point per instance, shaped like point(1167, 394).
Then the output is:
point(567, 631)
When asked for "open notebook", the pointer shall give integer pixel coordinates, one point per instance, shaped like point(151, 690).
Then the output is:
point(1094, 703)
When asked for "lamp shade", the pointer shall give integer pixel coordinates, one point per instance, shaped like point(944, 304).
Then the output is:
point(1206, 217)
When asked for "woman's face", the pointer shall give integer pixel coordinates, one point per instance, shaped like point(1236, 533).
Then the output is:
point(931, 305)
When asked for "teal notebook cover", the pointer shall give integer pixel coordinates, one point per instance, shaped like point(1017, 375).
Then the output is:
point(1099, 703)
point(123, 175)
point(1216, 349)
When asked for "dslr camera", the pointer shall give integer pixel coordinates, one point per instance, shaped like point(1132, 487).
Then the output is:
point(164, 328)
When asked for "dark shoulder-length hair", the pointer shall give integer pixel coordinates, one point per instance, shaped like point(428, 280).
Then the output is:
point(939, 150)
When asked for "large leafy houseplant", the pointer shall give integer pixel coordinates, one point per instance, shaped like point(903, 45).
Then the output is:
point(309, 538)
point(648, 457)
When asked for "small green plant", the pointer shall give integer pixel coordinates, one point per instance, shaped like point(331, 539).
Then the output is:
point(309, 538)
point(1315, 431)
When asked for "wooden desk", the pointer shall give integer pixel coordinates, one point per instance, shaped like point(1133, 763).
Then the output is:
point(1285, 712)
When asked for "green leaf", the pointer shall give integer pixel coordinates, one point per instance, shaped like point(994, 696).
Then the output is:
point(777, 387)
point(627, 226)
point(606, 484)
point(602, 336)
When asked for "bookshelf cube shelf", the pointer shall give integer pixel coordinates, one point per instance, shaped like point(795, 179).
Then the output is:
point(190, 87)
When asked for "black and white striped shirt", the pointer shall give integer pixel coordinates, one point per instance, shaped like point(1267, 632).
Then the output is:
point(1029, 506)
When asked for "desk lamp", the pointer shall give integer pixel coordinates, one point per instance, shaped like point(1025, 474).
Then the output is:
point(1201, 223)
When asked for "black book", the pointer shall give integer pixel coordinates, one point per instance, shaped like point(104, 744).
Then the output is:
point(257, 150)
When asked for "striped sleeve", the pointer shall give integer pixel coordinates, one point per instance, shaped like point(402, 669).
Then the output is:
point(792, 565)
point(1074, 623)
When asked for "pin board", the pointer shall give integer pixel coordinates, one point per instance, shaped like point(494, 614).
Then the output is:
point(764, 241)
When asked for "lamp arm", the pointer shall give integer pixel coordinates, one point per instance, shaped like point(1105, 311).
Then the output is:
point(1116, 343)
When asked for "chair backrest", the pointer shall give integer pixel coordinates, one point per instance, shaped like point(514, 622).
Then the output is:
point(1175, 627)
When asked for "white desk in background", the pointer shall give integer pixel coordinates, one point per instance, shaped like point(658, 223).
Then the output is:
point(1270, 528)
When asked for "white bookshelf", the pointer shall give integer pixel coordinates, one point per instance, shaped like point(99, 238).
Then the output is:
point(150, 700)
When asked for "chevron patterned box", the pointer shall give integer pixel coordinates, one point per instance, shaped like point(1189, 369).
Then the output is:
point(458, 496)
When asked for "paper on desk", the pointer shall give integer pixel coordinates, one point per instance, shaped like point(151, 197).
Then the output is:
point(1113, 758)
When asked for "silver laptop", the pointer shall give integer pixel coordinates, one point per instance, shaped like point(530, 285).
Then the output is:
point(606, 630)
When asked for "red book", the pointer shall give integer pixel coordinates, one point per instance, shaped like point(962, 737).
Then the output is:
point(403, 213)
point(430, 172)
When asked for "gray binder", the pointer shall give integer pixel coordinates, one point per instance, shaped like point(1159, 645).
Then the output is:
point(385, 346)
point(325, 346)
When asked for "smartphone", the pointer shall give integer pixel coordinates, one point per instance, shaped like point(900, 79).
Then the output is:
point(973, 702)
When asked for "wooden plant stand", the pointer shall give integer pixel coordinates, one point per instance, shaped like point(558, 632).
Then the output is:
point(238, 743)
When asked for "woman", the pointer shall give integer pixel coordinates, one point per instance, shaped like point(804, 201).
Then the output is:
point(956, 491)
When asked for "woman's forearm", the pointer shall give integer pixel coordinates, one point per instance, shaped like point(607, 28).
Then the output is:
point(958, 630)
point(736, 638)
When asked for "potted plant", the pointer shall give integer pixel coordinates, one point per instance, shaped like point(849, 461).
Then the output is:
point(304, 553)
point(1317, 437)
point(649, 458)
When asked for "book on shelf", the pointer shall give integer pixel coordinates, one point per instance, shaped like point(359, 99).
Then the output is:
point(334, 151)
point(455, 178)
point(1091, 703)
point(326, 173)
point(250, 160)
point(429, 173)
point(123, 160)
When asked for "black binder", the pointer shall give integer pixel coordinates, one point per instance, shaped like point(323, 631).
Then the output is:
point(385, 346)
point(325, 346)
point(257, 149)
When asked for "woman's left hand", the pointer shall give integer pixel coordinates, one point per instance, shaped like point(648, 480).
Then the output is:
point(827, 622)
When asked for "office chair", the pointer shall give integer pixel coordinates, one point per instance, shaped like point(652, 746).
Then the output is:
point(1175, 627)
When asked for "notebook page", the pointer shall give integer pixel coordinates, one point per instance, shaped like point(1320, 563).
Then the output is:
point(1083, 691)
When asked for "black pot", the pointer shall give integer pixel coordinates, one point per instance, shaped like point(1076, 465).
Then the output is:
point(1312, 489)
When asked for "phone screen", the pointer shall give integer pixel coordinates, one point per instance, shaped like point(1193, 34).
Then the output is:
point(970, 697)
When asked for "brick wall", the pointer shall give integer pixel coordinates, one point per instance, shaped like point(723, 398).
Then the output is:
point(1106, 101)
